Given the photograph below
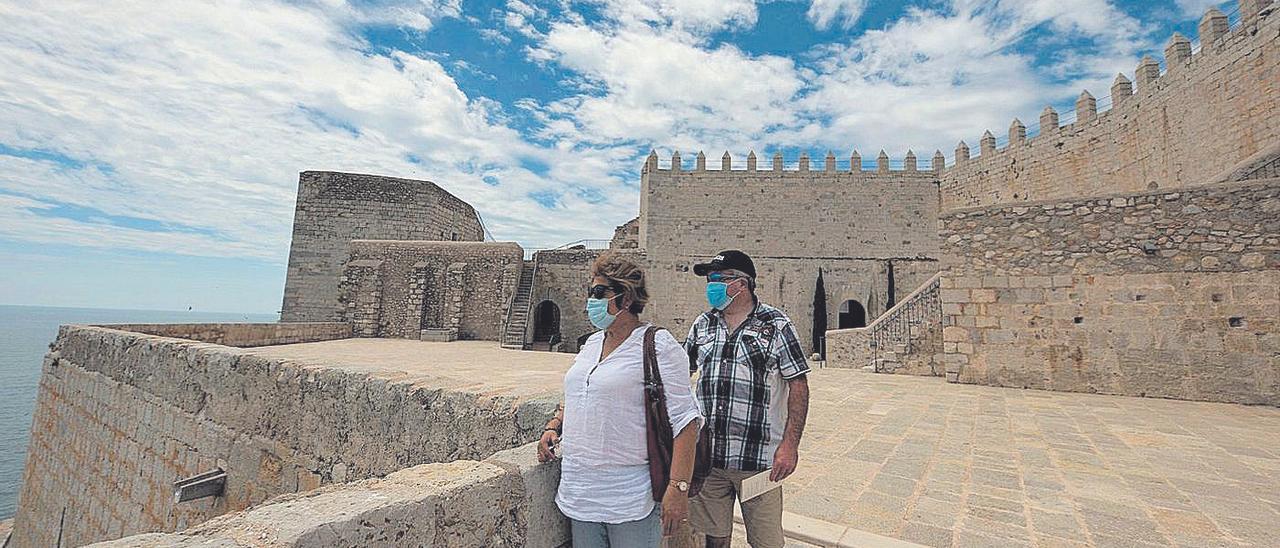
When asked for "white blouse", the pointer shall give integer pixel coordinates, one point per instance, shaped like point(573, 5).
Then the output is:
point(605, 468)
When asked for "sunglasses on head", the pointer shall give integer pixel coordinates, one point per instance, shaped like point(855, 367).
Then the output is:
point(598, 291)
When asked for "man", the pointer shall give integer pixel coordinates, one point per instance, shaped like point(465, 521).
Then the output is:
point(755, 398)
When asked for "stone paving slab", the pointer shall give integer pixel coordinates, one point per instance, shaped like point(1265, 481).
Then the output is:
point(481, 367)
point(963, 465)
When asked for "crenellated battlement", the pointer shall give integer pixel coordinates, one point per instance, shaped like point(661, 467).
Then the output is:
point(1178, 126)
point(883, 163)
point(1180, 55)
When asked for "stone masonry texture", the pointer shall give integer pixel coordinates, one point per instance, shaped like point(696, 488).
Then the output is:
point(334, 208)
point(1131, 252)
point(244, 334)
point(456, 504)
point(120, 416)
point(1170, 294)
point(849, 224)
point(957, 465)
point(1202, 116)
point(400, 288)
point(506, 500)
point(561, 277)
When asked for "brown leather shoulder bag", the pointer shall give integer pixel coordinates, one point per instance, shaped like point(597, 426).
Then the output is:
point(658, 435)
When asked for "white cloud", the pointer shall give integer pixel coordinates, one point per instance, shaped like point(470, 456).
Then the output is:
point(924, 81)
point(647, 74)
point(936, 76)
point(699, 16)
point(417, 15)
point(1196, 8)
point(200, 114)
point(822, 13)
point(204, 113)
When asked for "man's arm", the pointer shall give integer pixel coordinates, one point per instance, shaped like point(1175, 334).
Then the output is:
point(788, 453)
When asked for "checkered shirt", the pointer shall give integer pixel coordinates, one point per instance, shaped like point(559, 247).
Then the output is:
point(734, 386)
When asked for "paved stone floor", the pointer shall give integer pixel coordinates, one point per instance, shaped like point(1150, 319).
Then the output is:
point(961, 465)
point(481, 367)
point(956, 465)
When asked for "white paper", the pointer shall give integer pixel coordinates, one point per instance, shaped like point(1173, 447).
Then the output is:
point(757, 485)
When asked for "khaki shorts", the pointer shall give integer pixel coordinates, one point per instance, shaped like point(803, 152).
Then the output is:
point(711, 512)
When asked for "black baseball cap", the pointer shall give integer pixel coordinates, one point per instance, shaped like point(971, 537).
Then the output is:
point(730, 259)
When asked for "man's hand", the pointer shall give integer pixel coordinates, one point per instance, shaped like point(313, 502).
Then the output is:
point(549, 440)
point(784, 461)
point(675, 510)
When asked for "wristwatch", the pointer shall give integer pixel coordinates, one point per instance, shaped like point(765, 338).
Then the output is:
point(683, 486)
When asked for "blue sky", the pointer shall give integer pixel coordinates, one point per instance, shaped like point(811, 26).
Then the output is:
point(149, 153)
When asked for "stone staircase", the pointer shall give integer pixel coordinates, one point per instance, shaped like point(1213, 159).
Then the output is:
point(908, 338)
point(518, 313)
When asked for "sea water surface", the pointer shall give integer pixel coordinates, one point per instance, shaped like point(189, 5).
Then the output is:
point(25, 334)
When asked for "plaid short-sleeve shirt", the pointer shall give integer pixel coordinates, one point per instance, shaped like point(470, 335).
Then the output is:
point(742, 385)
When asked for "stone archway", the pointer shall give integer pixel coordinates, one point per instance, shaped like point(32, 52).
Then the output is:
point(852, 314)
point(546, 322)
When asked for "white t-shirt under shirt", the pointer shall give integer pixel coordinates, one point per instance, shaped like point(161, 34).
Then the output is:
point(604, 474)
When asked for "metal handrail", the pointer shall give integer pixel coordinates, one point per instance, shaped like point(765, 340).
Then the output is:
point(887, 326)
point(932, 281)
point(587, 243)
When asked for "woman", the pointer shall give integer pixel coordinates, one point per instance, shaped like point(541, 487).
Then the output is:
point(605, 489)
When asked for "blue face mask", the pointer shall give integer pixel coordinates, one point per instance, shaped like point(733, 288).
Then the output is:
point(598, 313)
point(718, 295)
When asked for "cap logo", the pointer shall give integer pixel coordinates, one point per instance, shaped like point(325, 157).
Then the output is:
point(718, 258)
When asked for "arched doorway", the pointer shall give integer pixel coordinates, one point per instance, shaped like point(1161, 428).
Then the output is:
point(546, 322)
point(852, 314)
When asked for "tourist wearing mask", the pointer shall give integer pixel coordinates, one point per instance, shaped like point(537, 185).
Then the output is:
point(754, 396)
point(606, 489)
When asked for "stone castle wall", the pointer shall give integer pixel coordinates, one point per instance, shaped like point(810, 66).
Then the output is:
point(335, 208)
point(626, 236)
point(244, 335)
point(1172, 294)
point(849, 224)
point(562, 276)
point(1207, 112)
point(120, 416)
point(400, 288)
point(505, 500)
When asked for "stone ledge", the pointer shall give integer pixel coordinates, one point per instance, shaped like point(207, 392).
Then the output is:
point(827, 534)
point(243, 335)
point(507, 500)
point(461, 503)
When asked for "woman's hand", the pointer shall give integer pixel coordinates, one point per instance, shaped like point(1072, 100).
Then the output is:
point(548, 441)
point(675, 510)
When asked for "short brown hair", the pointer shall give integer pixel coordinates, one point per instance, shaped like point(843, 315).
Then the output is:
point(624, 274)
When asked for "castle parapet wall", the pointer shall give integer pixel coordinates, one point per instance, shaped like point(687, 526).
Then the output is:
point(507, 500)
point(120, 416)
point(854, 165)
point(243, 335)
point(1211, 108)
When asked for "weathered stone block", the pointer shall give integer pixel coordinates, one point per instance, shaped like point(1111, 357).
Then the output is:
point(956, 334)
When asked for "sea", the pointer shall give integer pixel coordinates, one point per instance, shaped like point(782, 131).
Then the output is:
point(25, 334)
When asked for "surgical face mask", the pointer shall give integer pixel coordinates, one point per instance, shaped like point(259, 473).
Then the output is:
point(718, 295)
point(598, 312)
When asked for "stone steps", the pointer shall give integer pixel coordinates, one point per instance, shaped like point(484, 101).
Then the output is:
point(513, 336)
